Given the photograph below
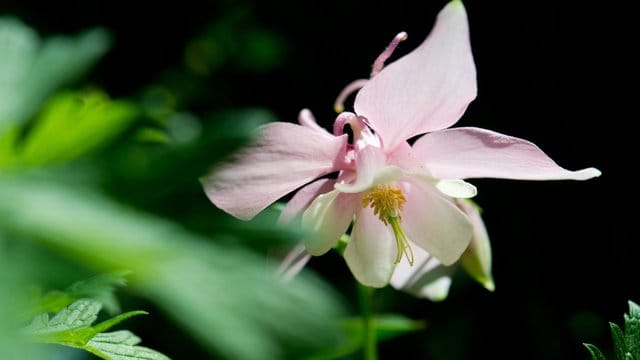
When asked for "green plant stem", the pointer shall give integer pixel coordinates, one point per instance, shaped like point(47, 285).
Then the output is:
point(370, 348)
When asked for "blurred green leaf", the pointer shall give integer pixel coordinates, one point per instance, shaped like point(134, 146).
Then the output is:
point(38, 67)
point(100, 288)
point(72, 327)
point(387, 326)
point(14, 273)
point(227, 297)
point(70, 125)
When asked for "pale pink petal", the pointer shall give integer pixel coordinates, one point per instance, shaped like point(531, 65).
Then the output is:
point(293, 263)
point(473, 153)
point(427, 278)
point(476, 260)
point(434, 223)
point(327, 218)
point(306, 118)
point(283, 157)
point(372, 250)
point(428, 89)
point(372, 169)
point(303, 198)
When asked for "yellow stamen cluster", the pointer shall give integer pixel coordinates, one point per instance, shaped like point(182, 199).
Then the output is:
point(387, 201)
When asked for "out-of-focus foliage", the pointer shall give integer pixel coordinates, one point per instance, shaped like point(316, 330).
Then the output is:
point(82, 178)
point(31, 69)
point(69, 125)
point(387, 326)
point(100, 288)
point(626, 343)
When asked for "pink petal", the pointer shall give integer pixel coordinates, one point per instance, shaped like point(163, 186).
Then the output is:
point(293, 263)
point(306, 118)
point(303, 198)
point(434, 223)
point(472, 153)
point(428, 89)
point(283, 157)
point(427, 278)
point(372, 170)
point(327, 218)
point(372, 250)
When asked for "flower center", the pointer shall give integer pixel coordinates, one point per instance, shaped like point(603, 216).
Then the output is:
point(387, 201)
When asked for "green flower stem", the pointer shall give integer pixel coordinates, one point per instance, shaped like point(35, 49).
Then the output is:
point(370, 348)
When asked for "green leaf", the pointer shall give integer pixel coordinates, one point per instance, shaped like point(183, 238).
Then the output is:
point(81, 313)
point(107, 324)
point(38, 67)
point(72, 327)
point(595, 352)
point(627, 344)
point(100, 287)
point(387, 326)
point(619, 341)
point(632, 330)
point(213, 291)
point(70, 125)
point(121, 345)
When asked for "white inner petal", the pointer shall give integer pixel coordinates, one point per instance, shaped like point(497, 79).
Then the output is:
point(456, 188)
point(384, 176)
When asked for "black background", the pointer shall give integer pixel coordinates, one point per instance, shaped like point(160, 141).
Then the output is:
point(556, 73)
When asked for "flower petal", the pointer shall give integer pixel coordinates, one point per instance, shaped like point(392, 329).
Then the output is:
point(427, 278)
point(306, 118)
point(372, 169)
point(472, 153)
point(293, 263)
point(476, 260)
point(303, 198)
point(434, 223)
point(326, 219)
point(283, 157)
point(426, 90)
point(371, 251)
point(456, 188)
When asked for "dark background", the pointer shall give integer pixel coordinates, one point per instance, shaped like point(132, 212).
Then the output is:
point(555, 73)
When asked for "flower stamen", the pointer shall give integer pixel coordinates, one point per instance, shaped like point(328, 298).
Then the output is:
point(387, 201)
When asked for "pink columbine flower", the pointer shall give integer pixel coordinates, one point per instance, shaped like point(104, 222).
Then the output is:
point(400, 198)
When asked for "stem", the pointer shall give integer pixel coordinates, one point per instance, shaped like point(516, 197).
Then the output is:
point(370, 348)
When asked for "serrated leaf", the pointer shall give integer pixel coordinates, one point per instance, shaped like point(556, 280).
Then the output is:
point(121, 345)
point(72, 327)
point(38, 67)
point(596, 354)
point(619, 341)
point(81, 313)
point(632, 330)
